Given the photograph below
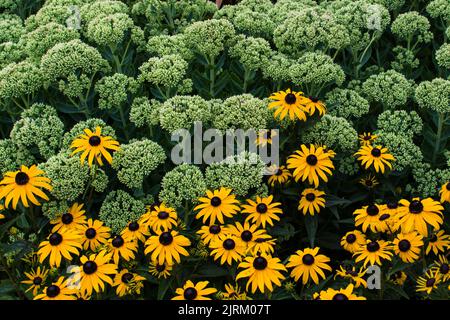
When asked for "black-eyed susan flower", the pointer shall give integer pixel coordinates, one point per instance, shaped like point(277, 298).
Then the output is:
point(94, 234)
point(408, 246)
point(228, 248)
point(377, 156)
point(167, 246)
point(341, 294)
point(232, 292)
point(262, 211)
point(279, 175)
point(59, 290)
point(135, 230)
point(418, 214)
point(311, 201)
point(160, 217)
point(216, 205)
point(95, 271)
point(398, 278)
point(211, 233)
point(445, 192)
point(373, 251)
point(367, 217)
point(313, 104)
point(312, 164)
point(289, 103)
point(438, 242)
point(83, 295)
point(93, 145)
point(58, 245)
point(191, 291)
point(366, 138)
point(128, 283)
point(369, 181)
point(24, 185)
point(265, 137)
point(262, 271)
point(442, 267)
point(353, 240)
point(354, 274)
point(387, 222)
point(262, 244)
point(308, 264)
point(248, 233)
point(74, 218)
point(35, 279)
point(428, 282)
point(160, 270)
point(121, 247)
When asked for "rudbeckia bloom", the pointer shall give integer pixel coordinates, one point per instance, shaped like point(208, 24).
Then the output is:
point(398, 278)
point(216, 205)
point(191, 291)
point(60, 244)
point(418, 214)
point(429, 281)
point(248, 233)
point(58, 290)
point(211, 233)
point(373, 251)
point(341, 294)
point(124, 248)
point(95, 271)
point(233, 293)
point(308, 264)
point(94, 234)
point(94, 145)
point(262, 272)
point(369, 181)
point(366, 138)
point(310, 163)
point(262, 244)
point(167, 247)
point(128, 283)
point(160, 217)
point(443, 268)
point(367, 217)
point(353, 240)
point(160, 270)
point(408, 245)
point(278, 175)
point(445, 192)
point(439, 242)
point(135, 230)
point(227, 248)
point(378, 157)
point(35, 279)
point(313, 104)
point(353, 274)
point(387, 222)
point(262, 211)
point(23, 185)
point(289, 103)
point(73, 219)
point(311, 201)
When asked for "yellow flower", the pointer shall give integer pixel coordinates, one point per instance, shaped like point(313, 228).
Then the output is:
point(408, 246)
point(167, 247)
point(128, 283)
point(308, 264)
point(353, 274)
point(398, 278)
point(369, 181)
point(262, 211)
point(438, 242)
point(75, 218)
point(60, 244)
point(289, 103)
point(58, 290)
point(429, 281)
point(94, 145)
point(368, 217)
point(262, 244)
point(160, 270)
point(311, 201)
point(378, 157)
point(124, 248)
point(217, 205)
point(233, 293)
point(36, 278)
point(160, 217)
point(418, 214)
point(373, 251)
point(313, 104)
point(278, 175)
point(135, 230)
point(445, 192)
point(191, 291)
point(367, 138)
point(443, 268)
point(341, 294)
point(211, 233)
point(227, 248)
point(23, 185)
point(248, 233)
point(94, 234)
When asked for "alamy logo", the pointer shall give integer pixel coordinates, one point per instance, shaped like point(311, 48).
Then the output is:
point(374, 278)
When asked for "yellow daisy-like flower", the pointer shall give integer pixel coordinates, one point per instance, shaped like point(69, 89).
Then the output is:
point(438, 242)
point(94, 234)
point(262, 244)
point(314, 104)
point(227, 248)
point(248, 233)
point(377, 156)
point(408, 246)
point(160, 217)
point(445, 192)
point(341, 294)
point(278, 175)
point(216, 205)
point(398, 278)
point(308, 264)
point(60, 244)
point(94, 145)
point(353, 274)
point(23, 185)
point(366, 138)
point(429, 281)
point(211, 233)
point(310, 164)
point(160, 270)
point(289, 103)
point(75, 218)
point(82, 295)
point(95, 271)
point(262, 211)
point(373, 251)
point(128, 283)
point(369, 181)
point(368, 217)
point(232, 293)
point(418, 214)
point(442, 267)
point(135, 230)
point(59, 290)
point(35, 279)
point(262, 271)
point(353, 240)
point(265, 137)
point(311, 201)
point(122, 247)
point(167, 247)
point(191, 291)
point(387, 220)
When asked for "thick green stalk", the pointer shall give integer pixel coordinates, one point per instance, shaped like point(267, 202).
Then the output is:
point(437, 145)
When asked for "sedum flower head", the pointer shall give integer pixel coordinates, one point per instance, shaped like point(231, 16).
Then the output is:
point(277, 67)
point(346, 103)
point(114, 91)
point(392, 5)
point(390, 88)
point(166, 71)
point(20, 79)
point(443, 56)
point(428, 181)
point(10, 52)
point(91, 124)
point(11, 28)
point(408, 123)
point(242, 173)
point(163, 45)
point(99, 180)
point(347, 165)
point(136, 160)
point(439, 9)
point(54, 209)
point(39, 127)
point(185, 183)
point(109, 30)
point(411, 26)
point(58, 12)
point(94, 9)
point(405, 59)
point(145, 112)
point(434, 95)
point(119, 208)
point(252, 53)
point(13, 156)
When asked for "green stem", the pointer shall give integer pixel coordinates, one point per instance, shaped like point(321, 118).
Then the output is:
point(124, 123)
point(246, 76)
point(212, 76)
point(11, 277)
point(437, 145)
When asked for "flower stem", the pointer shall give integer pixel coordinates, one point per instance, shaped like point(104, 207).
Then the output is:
point(437, 145)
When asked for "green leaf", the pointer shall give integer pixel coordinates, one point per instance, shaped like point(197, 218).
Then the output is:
point(311, 225)
point(164, 285)
point(211, 270)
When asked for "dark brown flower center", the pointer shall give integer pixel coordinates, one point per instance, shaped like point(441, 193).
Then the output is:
point(279, 172)
point(260, 263)
point(308, 259)
point(375, 152)
point(163, 215)
point(190, 293)
point(160, 267)
point(55, 239)
point(340, 297)
point(21, 178)
point(311, 160)
point(310, 197)
point(246, 235)
point(444, 268)
point(373, 246)
point(94, 141)
point(351, 238)
point(133, 226)
point(90, 233)
point(314, 99)
point(67, 218)
point(433, 238)
point(261, 208)
point(392, 204)
point(52, 291)
point(384, 217)
point(127, 277)
point(89, 267)
point(372, 210)
point(416, 207)
point(165, 238)
point(215, 201)
point(447, 186)
point(290, 98)
point(369, 183)
point(404, 245)
point(118, 242)
point(229, 244)
point(430, 282)
point(37, 281)
point(215, 229)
